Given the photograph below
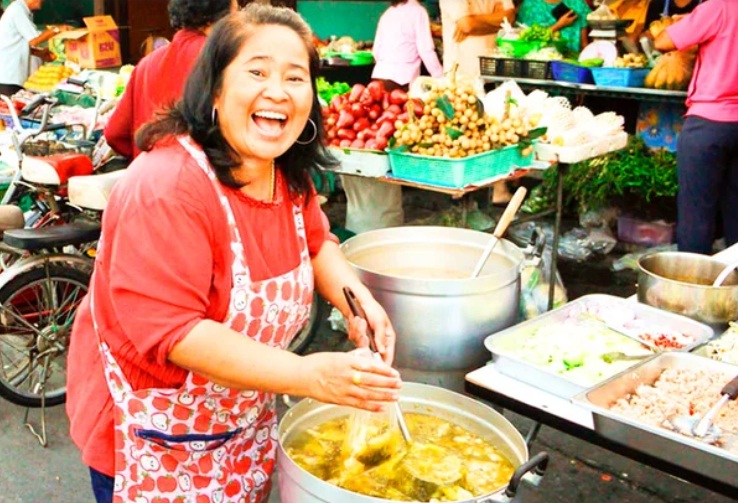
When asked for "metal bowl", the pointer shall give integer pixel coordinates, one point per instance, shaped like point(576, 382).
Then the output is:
point(681, 282)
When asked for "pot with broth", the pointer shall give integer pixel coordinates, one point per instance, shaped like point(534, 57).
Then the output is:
point(462, 450)
point(421, 275)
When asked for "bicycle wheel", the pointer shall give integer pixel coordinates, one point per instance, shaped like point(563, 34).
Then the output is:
point(37, 309)
point(305, 336)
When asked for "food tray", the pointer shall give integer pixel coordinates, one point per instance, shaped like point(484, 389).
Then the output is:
point(372, 163)
point(557, 384)
point(568, 72)
point(620, 77)
point(669, 446)
point(457, 173)
point(571, 155)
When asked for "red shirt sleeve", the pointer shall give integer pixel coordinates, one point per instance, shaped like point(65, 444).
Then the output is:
point(700, 26)
point(119, 129)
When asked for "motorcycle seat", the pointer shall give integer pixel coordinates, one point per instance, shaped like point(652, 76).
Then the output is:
point(92, 192)
point(55, 169)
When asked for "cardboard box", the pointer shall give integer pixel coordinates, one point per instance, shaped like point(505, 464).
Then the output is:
point(97, 46)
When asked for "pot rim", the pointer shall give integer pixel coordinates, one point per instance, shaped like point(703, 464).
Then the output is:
point(642, 269)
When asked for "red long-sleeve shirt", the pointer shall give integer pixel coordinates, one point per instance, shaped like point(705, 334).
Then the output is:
point(157, 82)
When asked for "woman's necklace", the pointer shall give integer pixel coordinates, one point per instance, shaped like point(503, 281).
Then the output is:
point(272, 184)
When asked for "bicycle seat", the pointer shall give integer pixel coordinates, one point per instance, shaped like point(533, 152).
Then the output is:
point(11, 217)
point(92, 192)
point(55, 169)
point(55, 236)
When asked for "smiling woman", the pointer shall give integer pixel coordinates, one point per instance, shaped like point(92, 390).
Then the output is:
point(218, 218)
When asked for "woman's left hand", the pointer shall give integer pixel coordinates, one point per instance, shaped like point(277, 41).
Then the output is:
point(384, 333)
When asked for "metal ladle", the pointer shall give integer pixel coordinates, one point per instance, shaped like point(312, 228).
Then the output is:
point(507, 216)
point(703, 428)
point(724, 274)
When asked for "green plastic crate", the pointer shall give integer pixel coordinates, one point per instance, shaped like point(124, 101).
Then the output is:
point(456, 173)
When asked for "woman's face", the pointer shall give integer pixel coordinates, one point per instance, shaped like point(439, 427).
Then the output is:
point(266, 96)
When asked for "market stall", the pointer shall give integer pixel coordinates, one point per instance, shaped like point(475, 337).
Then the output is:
point(584, 411)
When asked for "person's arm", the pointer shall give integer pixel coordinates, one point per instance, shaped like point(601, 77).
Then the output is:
point(118, 131)
point(482, 24)
point(426, 47)
point(332, 274)
point(43, 37)
point(703, 24)
point(240, 362)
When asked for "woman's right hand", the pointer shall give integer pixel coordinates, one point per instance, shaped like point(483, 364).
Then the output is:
point(567, 19)
point(351, 379)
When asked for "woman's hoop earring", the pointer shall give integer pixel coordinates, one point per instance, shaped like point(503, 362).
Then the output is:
point(214, 117)
point(312, 138)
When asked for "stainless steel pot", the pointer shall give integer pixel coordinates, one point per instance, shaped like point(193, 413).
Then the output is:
point(421, 277)
point(681, 282)
point(297, 485)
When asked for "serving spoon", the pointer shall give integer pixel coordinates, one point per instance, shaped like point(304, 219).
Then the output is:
point(724, 274)
point(703, 428)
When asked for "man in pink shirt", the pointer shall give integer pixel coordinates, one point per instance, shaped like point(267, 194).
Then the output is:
point(707, 149)
point(402, 41)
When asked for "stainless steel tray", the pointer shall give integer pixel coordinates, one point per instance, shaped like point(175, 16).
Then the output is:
point(559, 385)
point(664, 444)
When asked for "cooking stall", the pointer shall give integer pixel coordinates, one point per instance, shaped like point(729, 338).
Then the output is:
point(660, 433)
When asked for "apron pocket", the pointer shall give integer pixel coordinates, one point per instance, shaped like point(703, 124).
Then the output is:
point(190, 442)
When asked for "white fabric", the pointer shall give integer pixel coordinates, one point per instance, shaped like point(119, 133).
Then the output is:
point(371, 204)
point(467, 52)
point(16, 31)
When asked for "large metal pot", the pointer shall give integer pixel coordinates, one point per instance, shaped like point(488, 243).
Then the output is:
point(421, 277)
point(297, 485)
point(681, 282)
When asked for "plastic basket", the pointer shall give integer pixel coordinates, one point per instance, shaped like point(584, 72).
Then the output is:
point(8, 120)
point(535, 69)
point(568, 72)
point(457, 173)
point(620, 77)
point(501, 67)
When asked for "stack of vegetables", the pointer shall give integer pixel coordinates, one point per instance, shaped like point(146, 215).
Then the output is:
point(365, 117)
point(47, 77)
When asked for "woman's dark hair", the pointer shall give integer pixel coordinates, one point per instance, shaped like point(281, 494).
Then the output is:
point(193, 114)
point(395, 3)
point(196, 14)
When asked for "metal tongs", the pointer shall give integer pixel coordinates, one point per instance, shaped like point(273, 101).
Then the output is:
point(358, 311)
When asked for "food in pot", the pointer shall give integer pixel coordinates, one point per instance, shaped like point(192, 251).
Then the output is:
point(445, 462)
point(681, 393)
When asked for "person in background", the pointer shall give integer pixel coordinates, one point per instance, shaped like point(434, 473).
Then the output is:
point(19, 40)
point(659, 8)
point(211, 247)
point(402, 41)
point(707, 150)
point(158, 79)
point(470, 30)
point(567, 17)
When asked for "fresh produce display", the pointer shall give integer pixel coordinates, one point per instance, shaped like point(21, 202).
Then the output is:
point(327, 91)
point(47, 77)
point(537, 33)
point(631, 61)
point(452, 123)
point(672, 71)
point(365, 117)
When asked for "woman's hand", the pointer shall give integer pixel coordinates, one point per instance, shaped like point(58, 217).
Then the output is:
point(567, 19)
point(384, 333)
point(351, 379)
